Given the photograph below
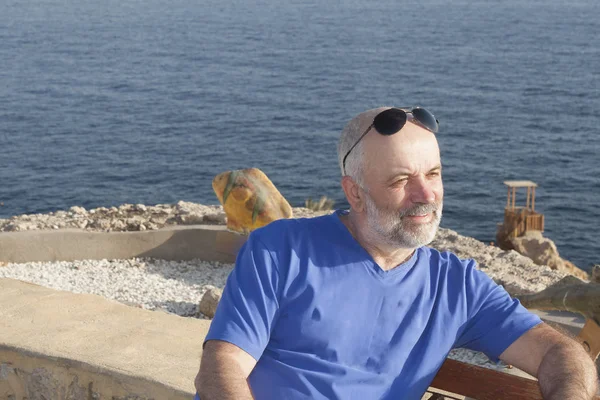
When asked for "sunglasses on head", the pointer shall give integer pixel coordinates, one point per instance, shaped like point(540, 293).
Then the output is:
point(392, 120)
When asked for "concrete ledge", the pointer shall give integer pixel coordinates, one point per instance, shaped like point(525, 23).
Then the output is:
point(207, 242)
point(53, 343)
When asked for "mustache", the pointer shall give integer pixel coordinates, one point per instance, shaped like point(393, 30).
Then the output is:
point(421, 209)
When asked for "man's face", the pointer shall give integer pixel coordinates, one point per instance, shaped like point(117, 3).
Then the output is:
point(403, 175)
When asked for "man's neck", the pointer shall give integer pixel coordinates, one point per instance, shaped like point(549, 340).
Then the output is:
point(385, 255)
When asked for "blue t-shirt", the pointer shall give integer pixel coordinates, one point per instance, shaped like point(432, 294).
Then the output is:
point(324, 321)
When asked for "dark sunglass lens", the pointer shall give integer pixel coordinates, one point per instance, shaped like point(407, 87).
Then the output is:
point(389, 121)
point(426, 118)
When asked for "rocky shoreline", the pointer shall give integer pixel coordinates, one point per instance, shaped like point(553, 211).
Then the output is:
point(518, 274)
point(127, 217)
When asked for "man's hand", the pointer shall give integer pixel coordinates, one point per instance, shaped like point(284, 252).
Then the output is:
point(224, 371)
point(563, 368)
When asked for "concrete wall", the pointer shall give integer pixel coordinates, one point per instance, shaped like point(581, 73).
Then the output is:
point(207, 242)
point(61, 345)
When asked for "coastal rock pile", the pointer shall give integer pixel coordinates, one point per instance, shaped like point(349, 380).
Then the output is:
point(127, 217)
point(543, 251)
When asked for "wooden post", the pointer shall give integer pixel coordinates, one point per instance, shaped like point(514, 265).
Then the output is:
point(533, 200)
point(514, 190)
point(589, 337)
point(528, 194)
point(508, 198)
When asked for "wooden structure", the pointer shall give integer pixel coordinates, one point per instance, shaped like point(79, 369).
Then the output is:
point(462, 379)
point(589, 337)
point(519, 219)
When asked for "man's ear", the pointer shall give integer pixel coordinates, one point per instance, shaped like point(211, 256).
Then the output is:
point(354, 194)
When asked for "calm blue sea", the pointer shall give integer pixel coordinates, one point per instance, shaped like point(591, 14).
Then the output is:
point(144, 101)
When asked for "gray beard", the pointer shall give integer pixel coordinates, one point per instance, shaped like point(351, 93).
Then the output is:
point(400, 232)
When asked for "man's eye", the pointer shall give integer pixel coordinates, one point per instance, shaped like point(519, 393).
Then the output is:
point(400, 182)
point(434, 173)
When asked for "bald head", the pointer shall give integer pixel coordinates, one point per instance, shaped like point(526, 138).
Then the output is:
point(375, 150)
point(352, 132)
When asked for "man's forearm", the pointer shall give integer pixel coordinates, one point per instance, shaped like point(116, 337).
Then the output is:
point(221, 381)
point(567, 372)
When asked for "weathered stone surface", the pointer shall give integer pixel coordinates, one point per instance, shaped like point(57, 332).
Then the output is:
point(210, 300)
point(77, 210)
point(595, 276)
point(11, 386)
point(68, 346)
point(249, 199)
point(569, 294)
point(543, 251)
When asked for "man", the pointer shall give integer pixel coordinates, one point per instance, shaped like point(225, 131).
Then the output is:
point(354, 306)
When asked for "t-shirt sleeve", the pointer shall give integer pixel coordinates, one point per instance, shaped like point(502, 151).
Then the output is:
point(494, 320)
point(249, 304)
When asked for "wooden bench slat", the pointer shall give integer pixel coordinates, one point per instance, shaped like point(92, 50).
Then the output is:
point(484, 383)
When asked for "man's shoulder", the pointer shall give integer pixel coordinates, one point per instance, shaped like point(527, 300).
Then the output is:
point(446, 259)
point(293, 229)
point(453, 272)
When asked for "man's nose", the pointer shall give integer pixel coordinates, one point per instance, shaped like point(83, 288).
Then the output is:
point(422, 191)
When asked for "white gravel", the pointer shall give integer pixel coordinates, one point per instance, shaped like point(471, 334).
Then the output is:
point(172, 286)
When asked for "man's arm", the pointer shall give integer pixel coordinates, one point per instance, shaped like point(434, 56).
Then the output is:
point(563, 368)
point(224, 371)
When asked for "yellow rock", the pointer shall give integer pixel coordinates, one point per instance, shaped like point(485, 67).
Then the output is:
point(250, 199)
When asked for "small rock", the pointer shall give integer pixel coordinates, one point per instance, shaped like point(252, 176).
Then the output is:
point(220, 218)
point(127, 207)
point(118, 225)
point(77, 210)
point(210, 300)
point(190, 219)
point(11, 228)
point(132, 224)
point(101, 224)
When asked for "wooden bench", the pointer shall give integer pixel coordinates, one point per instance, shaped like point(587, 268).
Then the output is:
point(462, 379)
